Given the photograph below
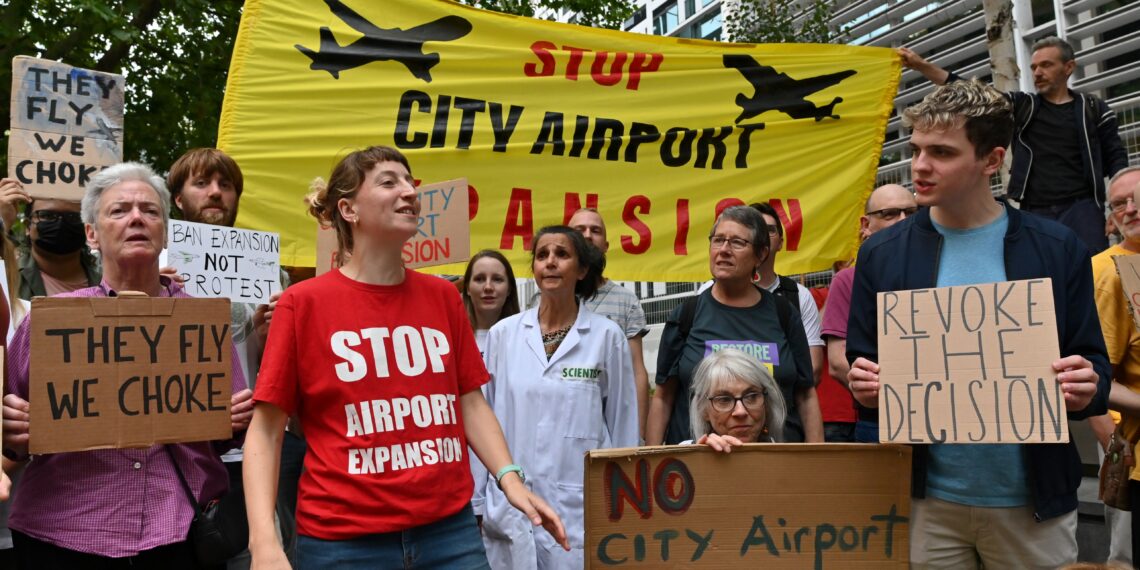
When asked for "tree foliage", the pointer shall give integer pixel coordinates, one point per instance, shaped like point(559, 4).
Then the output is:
point(596, 13)
point(174, 54)
point(774, 21)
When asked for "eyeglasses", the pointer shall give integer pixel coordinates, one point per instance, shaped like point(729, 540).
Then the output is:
point(892, 213)
point(725, 403)
point(737, 244)
point(1118, 206)
point(52, 216)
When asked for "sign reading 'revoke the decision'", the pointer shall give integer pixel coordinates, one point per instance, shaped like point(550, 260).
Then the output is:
point(970, 364)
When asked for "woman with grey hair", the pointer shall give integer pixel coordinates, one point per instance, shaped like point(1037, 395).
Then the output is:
point(735, 401)
point(131, 507)
point(734, 313)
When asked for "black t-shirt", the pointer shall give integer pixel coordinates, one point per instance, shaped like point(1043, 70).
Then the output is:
point(755, 330)
point(1057, 174)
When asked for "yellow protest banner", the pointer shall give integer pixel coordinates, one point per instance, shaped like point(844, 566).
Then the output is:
point(659, 134)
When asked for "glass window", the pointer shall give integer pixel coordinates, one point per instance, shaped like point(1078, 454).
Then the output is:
point(665, 20)
point(708, 28)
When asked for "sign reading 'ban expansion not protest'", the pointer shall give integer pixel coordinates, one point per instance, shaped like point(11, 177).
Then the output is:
point(970, 364)
point(222, 262)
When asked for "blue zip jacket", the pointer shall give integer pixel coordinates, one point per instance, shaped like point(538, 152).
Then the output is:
point(905, 256)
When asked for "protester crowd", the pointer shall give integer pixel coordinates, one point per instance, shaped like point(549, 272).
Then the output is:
point(463, 415)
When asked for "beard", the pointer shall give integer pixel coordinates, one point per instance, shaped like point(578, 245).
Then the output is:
point(212, 217)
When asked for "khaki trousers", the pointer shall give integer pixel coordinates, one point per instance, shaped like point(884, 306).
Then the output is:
point(952, 536)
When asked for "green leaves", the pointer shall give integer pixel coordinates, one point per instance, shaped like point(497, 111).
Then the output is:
point(596, 13)
point(175, 56)
point(774, 21)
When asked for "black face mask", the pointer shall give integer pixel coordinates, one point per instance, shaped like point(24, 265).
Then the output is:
point(60, 236)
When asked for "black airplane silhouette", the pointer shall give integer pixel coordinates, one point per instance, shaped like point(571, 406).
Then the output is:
point(776, 91)
point(379, 44)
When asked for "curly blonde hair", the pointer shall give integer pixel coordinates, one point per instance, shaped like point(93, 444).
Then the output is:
point(986, 113)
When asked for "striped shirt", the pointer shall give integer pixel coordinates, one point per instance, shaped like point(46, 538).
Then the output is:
point(621, 306)
point(111, 502)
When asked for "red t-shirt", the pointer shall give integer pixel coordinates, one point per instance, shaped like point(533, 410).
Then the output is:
point(835, 401)
point(375, 373)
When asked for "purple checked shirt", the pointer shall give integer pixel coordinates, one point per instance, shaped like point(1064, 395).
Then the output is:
point(111, 502)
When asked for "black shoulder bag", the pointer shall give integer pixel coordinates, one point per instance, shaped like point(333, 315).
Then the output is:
point(219, 530)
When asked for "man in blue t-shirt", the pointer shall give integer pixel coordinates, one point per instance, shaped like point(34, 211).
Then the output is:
point(1006, 506)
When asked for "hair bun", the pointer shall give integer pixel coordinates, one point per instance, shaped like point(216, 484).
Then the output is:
point(316, 200)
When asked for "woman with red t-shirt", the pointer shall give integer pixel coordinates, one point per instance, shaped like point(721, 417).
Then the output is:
point(380, 364)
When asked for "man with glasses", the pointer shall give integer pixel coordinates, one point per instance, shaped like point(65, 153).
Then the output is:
point(1123, 342)
point(843, 419)
point(794, 293)
point(54, 255)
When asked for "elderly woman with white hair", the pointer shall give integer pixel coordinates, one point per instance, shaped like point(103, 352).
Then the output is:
point(106, 507)
point(735, 401)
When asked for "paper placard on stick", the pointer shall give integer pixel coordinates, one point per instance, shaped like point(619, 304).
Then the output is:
point(66, 125)
point(128, 372)
point(970, 364)
point(243, 266)
point(685, 505)
point(444, 234)
point(1128, 267)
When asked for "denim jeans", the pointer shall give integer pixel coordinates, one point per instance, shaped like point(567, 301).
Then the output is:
point(292, 461)
point(451, 542)
point(839, 432)
point(1084, 217)
point(866, 432)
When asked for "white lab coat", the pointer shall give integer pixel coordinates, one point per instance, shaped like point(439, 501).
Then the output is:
point(552, 413)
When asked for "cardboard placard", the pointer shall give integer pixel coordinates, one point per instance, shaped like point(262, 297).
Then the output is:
point(762, 506)
point(1128, 267)
point(66, 125)
point(243, 266)
point(113, 372)
point(444, 234)
point(970, 364)
point(326, 249)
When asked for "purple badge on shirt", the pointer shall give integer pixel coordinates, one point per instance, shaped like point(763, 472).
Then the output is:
point(766, 352)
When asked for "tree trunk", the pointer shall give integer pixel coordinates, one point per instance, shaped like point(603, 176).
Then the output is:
point(1003, 55)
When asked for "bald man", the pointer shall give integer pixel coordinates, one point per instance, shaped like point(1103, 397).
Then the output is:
point(888, 205)
point(618, 304)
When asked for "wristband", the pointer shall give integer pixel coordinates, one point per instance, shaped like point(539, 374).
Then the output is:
point(512, 468)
